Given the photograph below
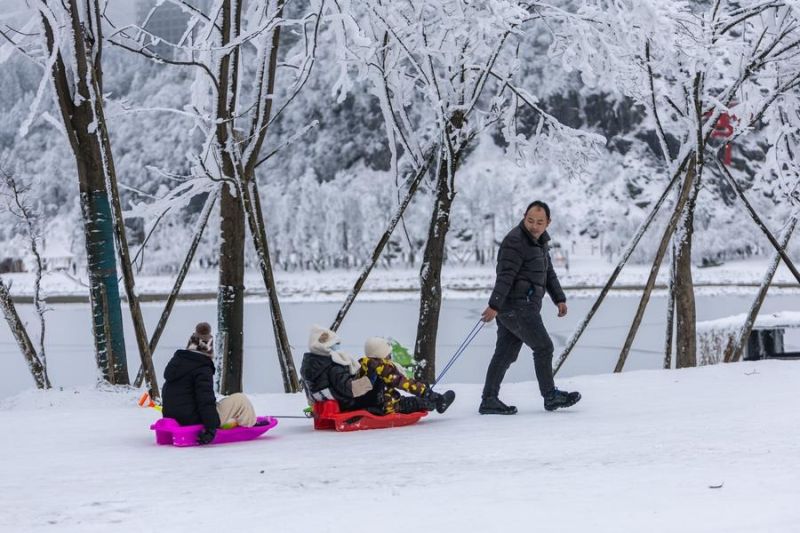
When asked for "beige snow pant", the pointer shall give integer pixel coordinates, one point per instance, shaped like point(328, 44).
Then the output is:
point(237, 409)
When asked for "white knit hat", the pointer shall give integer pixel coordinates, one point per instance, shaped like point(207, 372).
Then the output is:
point(377, 347)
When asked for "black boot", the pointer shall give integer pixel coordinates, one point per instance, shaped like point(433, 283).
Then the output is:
point(440, 401)
point(493, 406)
point(558, 399)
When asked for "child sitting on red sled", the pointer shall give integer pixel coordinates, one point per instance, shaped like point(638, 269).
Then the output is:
point(330, 374)
point(378, 366)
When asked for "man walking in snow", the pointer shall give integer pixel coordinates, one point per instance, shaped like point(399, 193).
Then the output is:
point(524, 273)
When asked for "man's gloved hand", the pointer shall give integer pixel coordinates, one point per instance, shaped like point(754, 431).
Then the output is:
point(206, 436)
point(361, 386)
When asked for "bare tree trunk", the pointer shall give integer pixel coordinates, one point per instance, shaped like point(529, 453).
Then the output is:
point(103, 287)
point(23, 340)
point(176, 288)
point(376, 253)
point(230, 299)
point(662, 249)
point(38, 301)
point(620, 265)
point(75, 105)
point(670, 311)
point(685, 309)
point(90, 47)
point(431, 271)
point(736, 344)
point(126, 265)
point(686, 334)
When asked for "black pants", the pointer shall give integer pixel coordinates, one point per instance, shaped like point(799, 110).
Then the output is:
point(521, 323)
point(371, 401)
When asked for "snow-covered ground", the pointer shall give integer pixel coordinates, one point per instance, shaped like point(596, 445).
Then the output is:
point(713, 449)
point(585, 272)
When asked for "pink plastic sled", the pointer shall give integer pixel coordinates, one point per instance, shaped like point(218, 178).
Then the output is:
point(168, 431)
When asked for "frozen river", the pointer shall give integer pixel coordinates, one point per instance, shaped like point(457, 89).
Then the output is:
point(71, 359)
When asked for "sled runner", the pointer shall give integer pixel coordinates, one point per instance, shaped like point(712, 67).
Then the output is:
point(328, 416)
point(168, 431)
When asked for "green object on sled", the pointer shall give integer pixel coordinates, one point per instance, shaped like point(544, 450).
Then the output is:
point(403, 357)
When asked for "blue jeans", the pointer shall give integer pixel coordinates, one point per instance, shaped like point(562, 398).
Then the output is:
point(521, 322)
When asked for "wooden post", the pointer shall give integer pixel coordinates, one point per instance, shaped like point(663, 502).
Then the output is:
point(651, 281)
point(176, 288)
point(378, 250)
point(613, 278)
point(255, 217)
point(760, 223)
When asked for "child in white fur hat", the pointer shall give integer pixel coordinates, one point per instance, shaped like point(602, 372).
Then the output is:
point(377, 365)
point(330, 374)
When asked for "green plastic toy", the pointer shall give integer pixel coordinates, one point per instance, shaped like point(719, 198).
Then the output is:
point(403, 357)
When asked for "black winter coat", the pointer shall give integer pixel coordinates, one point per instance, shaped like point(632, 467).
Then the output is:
point(319, 372)
point(524, 269)
point(188, 394)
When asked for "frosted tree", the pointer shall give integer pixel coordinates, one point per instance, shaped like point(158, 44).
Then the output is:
point(17, 202)
point(780, 177)
point(234, 49)
point(66, 39)
point(694, 66)
point(443, 72)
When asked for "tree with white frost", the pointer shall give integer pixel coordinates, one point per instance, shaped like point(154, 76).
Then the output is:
point(780, 176)
point(443, 72)
point(693, 66)
point(233, 47)
point(16, 200)
point(66, 40)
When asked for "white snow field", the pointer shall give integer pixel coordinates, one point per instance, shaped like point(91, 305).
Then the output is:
point(712, 449)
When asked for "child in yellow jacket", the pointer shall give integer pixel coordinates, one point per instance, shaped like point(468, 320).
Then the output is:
point(377, 365)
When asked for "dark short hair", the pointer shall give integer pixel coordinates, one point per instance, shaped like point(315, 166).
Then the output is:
point(540, 205)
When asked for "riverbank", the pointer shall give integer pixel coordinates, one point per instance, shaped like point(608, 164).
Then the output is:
point(586, 275)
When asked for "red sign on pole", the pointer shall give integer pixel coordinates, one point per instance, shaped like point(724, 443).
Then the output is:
point(724, 129)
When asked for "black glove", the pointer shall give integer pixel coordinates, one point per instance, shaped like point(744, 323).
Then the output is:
point(206, 436)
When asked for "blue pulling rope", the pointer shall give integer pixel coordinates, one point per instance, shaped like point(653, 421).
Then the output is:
point(470, 337)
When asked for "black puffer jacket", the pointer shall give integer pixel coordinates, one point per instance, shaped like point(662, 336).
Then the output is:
point(524, 267)
point(319, 372)
point(188, 394)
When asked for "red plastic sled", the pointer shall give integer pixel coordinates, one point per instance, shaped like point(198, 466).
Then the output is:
point(328, 416)
point(168, 431)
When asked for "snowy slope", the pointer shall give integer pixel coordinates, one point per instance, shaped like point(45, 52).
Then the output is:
point(641, 452)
